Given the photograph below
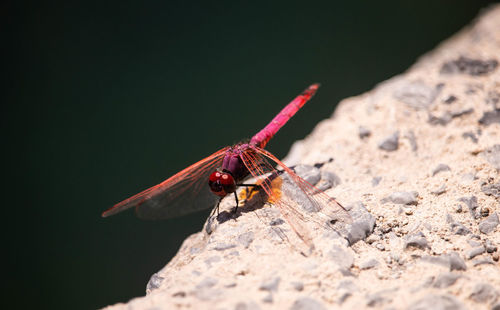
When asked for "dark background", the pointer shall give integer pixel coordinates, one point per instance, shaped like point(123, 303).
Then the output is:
point(104, 99)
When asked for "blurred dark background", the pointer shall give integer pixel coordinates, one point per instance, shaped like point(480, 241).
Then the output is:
point(104, 99)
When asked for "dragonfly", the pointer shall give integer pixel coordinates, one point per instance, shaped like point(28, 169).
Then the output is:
point(205, 183)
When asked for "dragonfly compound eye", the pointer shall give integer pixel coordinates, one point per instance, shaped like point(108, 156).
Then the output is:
point(221, 183)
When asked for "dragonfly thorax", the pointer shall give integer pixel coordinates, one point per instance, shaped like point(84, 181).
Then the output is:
point(221, 183)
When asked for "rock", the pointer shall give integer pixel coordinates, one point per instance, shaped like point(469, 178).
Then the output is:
point(206, 283)
point(270, 285)
point(416, 241)
point(405, 198)
point(343, 258)
point(247, 306)
point(469, 66)
point(309, 173)
point(483, 292)
point(471, 203)
point(492, 154)
point(268, 299)
point(394, 254)
point(224, 246)
point(484, 261)
point(416, 95)
point(154, 283)
point(376, 181)
point(410, 135)
point(456, 262)
point(364, 132)
point(470, 135)
point(450, 99)
point(439, 191)
point(490, 246)
point(390, 143)
point(492, 190)
point(307, 303)
point(457, 228)
point(367, 264)
point(440, 168)
point(475, 252)
point(489, 224)
point(362, 225)
point(445, 279)
point(437, 302)
point(490, 117)
point(298, 286)
point(328, 180)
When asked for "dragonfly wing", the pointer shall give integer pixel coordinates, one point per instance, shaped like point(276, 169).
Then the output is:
point(316, 205)
point(183, 193)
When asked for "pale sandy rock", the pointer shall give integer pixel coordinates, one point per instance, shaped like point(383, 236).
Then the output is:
point(432, 135)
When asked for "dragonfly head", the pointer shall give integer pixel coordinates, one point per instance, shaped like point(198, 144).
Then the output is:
point(221, 183)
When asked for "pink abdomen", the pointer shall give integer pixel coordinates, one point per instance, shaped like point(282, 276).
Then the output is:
point(263, 136)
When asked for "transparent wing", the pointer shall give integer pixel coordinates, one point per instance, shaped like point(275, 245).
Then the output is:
point(183, 193)
point(298, 200)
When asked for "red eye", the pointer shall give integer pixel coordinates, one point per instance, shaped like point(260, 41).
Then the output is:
point(226, 179)
point(214, 176)
point(221, 183)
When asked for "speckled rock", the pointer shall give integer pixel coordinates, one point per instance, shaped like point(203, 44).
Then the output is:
point(396, 251)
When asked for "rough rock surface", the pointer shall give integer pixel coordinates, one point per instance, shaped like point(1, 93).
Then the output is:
point(435, 245)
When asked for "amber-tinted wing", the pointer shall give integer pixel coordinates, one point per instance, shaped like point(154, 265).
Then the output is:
point(183, 193)
point(315, 205)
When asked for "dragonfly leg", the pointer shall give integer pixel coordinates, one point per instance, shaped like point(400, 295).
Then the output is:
point(216, 208)
point(237, 202)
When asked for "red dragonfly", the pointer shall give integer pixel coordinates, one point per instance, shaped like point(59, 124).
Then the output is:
point(225, 170)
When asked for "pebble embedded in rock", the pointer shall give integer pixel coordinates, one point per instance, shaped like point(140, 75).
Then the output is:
point(405, 198)
point(475, 252)
point(343, 258)
point(490, 246)
point(410, 135)
point(298, 286)
point(492, 190)
point(445, 280)
point(450, 99)
point(416, 94)
point(440, 190)
point(245, 239)
point(469, 66)
point(456, 227)
point(390, 143)
point(328, 180)
point(437, 302)
point(268, 299)
point(416, 241)
point(247, 306)
point(440, 168)
point(224, 246)
point(490, 117)
point(154, 282)
point(309, 173)
point(276, 222)
point(270, 285)
point(307, 303)
point(376, 181)
point(470, 135)
point(362, 225)
point(492, 154)
point(207, 283)
point(471, 203)
point(489, 224)
point(456, 262)
point(368, 264)
point(364, 132)
point(483, 292)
